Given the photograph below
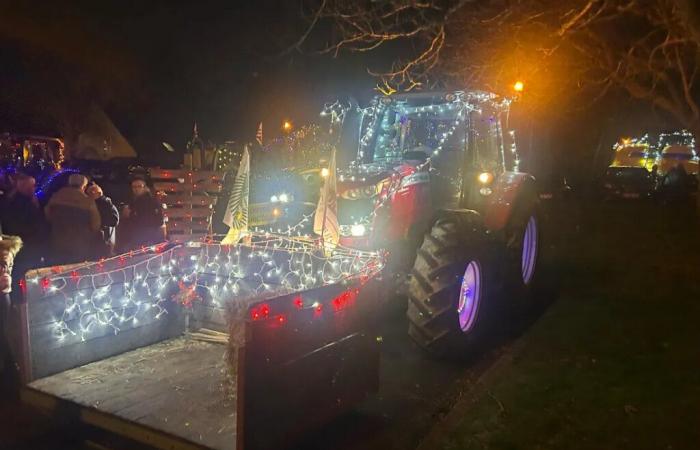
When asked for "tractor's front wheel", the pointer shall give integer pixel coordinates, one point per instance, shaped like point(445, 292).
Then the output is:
point(447, 294)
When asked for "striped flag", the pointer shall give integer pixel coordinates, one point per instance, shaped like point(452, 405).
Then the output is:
point(236, 215)
point(258, 135)
point(326, 217)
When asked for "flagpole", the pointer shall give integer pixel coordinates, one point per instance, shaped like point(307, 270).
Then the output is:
point(325, 208)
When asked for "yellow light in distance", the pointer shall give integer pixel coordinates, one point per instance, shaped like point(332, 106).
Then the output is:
point(518, 86)
point(325, 172)
point(287, 125)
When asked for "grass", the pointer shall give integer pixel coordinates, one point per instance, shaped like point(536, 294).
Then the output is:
point(614, 363)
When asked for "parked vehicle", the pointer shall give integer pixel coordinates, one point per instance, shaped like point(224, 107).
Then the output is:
point(628, 183)
point(673, 155)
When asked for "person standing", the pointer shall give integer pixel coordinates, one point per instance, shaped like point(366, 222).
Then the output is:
point(22, 216)
point(109, 218)
point(75, 222)
point(142, 218)
point(9, 247)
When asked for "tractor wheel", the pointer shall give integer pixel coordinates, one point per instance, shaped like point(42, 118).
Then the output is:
point(447, 295)
point(522, 243)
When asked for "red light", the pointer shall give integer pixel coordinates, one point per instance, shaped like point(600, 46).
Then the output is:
point(344, 300)
point(74, 275)
point(45, 283)
point(281, 319)
point(318, 310)
point(261, 312)
point(299, 302)
point(23, 285)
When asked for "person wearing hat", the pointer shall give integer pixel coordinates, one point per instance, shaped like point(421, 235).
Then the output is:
point(75, 222)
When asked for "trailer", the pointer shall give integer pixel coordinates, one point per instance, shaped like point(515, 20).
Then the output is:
point(201, 345)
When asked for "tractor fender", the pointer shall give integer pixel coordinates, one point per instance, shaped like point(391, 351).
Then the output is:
point(508, 189)
point(470, 221)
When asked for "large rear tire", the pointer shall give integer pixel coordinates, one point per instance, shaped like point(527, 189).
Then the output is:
point(523, 238)
point(448, 301)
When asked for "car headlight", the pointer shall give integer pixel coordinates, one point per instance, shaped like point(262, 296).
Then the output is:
point(361, 192)
point(282, 198)
point(358, 230)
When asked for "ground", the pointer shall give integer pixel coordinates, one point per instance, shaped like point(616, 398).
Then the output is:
point(615, 362)
point(611, 360)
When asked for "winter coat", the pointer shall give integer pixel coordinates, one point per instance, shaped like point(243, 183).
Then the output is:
point(144, 226)
point(22, 216)
point(75, 223)
point(109, 218)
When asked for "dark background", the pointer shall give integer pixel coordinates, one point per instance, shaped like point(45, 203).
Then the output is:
point(158, 66)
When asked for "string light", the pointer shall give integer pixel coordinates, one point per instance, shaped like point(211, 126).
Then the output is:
point(139, 285)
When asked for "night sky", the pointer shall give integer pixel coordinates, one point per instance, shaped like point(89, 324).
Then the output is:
point(158, 66)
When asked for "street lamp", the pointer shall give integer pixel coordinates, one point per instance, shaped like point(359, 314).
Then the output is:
point(518, 86)
point(287, 126)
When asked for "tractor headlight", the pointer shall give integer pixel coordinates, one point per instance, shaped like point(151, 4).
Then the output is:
point(358, 230)
point(360, 192)
point(282, 198)
point(485, 177)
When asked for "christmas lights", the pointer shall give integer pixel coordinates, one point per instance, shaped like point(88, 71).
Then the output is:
point(120, 292)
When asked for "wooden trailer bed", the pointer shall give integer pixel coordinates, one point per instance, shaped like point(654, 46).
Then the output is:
point(180, 390)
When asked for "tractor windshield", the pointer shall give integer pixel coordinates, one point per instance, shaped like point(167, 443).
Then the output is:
point(417, 130)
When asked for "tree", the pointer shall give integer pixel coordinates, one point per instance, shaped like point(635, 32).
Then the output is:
point(573, 50)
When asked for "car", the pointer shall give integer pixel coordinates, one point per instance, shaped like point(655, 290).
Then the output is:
point(628, 183)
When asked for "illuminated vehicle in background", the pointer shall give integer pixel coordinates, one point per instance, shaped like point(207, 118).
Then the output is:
point(675, 155)
point(282, 200)
point(39, 156)
point(628, 183)
point(633, 153)
point(677, 148)
point(433, 184)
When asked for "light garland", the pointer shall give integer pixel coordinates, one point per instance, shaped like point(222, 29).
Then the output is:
point(120, 292)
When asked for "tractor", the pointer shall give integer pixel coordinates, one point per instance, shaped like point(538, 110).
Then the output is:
point(435, 182)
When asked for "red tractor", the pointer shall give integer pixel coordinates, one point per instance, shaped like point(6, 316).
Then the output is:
point(435, 182)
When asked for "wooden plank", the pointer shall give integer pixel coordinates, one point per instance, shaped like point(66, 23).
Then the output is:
point(190, 213)
point(69, 411)
point(142, 388)
point(195, 200)
point(185, 174)
point(187, 188)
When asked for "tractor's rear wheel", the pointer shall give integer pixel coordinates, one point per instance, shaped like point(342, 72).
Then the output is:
point(523, 237)
point(447, 294)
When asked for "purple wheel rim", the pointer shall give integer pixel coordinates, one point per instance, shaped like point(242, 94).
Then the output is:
point(529, 257)
point(469, 296)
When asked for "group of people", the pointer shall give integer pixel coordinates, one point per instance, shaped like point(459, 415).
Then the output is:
point(78, 223)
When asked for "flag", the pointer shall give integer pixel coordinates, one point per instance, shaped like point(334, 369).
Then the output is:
point(326, 217)
point(258, 135)
point(236, 215)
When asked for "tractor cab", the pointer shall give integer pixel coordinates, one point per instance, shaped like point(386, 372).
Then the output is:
point(416, 153)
